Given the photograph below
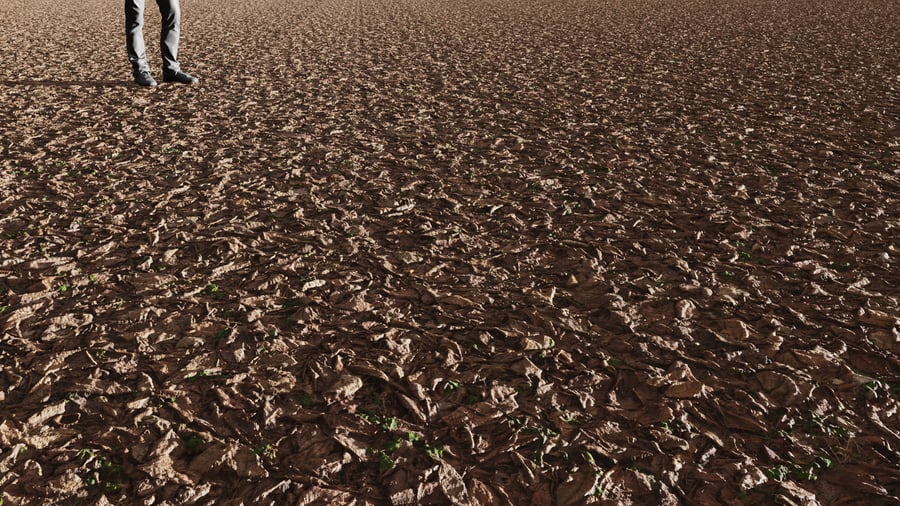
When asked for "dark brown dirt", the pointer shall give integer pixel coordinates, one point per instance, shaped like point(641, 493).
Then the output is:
point(453, 251)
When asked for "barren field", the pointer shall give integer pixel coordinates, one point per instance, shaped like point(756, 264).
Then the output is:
point(452, 252)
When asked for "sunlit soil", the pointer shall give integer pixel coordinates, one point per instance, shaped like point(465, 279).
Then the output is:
point(452, 252)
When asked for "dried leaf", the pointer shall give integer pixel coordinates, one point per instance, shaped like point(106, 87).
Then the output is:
point(344, 387)
point(452, 485)
point(578, 486)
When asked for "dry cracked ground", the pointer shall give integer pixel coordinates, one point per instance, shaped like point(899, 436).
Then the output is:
point(453, 252)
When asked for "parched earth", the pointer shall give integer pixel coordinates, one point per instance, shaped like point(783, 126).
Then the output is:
point(453, 252)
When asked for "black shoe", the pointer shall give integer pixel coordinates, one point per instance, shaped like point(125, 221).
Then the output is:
point(143, 78)
point(179, 77)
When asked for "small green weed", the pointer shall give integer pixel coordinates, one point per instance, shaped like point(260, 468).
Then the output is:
point(103, 473)
point(193, 443)
point(472, 399)
point(435, 452)
point(385, 462)
point(266, 450)
point(544, 432)
point(815, 425)
point(807, 472)
point(211, 290)
point(841, 266)
point(450, 386)
point(389, 423)
point(393, 446)
point(305, 400)
point(598, 491)
point(198, 375)
point(778, 473)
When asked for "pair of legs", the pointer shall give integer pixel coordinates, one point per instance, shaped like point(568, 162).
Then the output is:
point(170, 10)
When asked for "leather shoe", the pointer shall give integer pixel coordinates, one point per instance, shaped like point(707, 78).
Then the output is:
point(143, 78)
point(179, 77)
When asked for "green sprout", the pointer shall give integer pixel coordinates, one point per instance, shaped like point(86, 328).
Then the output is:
point(389, 423)
point(841, 266)
point(212, 290)
point(197, 375)
point(452, 385)
point(808, 472)
point(588, 457)
point(385, 462)
point(436, 452)
point(598, 491)
point(818, 426)
point(305, 400)
point(105, 474)
point(778, 473)
point(193, 443)
point(266, 450)
point(393, 446)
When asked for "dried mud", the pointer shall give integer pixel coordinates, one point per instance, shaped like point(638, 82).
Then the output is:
point(452, 252)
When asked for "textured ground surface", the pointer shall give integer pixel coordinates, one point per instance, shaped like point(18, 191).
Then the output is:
point(435, 251)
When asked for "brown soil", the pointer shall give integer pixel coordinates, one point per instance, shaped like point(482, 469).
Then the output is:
point(452, 251)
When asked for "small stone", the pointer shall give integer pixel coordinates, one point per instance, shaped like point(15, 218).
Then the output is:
point(685, 309)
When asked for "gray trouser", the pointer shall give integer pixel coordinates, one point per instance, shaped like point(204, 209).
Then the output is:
point(168, 39)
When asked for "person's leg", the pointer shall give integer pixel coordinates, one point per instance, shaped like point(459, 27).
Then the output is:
point(134, 35)
point(168, 42)
point(169, 35)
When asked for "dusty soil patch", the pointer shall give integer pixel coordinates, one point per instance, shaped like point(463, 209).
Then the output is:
point(423, 251)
